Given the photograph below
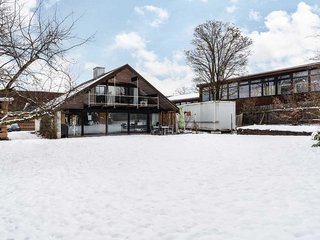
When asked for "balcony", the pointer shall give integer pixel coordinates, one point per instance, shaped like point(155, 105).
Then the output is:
point(110, 100)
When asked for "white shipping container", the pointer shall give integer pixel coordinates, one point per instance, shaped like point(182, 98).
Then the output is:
point(211, 115)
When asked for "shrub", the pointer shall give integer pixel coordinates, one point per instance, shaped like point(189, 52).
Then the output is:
point(47, 128)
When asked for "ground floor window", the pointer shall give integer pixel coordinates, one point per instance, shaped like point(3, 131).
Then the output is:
point(117, 122)
point(73, 123)
point(138, 123)
point(94, 123)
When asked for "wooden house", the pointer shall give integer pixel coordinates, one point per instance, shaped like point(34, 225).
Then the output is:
point(258, 92)
point(114, 102)
point(263, 87)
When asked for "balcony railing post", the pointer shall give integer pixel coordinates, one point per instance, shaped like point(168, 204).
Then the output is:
point(137, 101)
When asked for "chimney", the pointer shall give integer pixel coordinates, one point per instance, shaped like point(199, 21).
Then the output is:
point(98, 71)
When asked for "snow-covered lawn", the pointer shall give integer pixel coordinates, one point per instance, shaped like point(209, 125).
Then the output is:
point(183, 187)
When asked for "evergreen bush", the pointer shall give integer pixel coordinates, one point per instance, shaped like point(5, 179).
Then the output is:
point(316, 136)
point(47, 128)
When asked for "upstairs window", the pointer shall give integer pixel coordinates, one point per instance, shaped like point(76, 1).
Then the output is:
point(100, 90)
point(284, 85)
point(233, 90)
point(315, 83)
point(224, 91)
point(300, 82)
point(315, 80)
point(256, 88)
point(244, 90)
point(269, 88)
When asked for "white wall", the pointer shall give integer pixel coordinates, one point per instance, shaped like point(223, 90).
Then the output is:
point(212, 115)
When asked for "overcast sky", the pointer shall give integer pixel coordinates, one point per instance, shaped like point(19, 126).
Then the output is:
point(152, 35)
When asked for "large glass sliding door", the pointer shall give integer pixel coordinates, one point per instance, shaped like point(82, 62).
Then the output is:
point(138, 123)
point(117, 123)
point(94, 123)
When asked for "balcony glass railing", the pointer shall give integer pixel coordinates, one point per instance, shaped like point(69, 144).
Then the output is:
point(122, 100)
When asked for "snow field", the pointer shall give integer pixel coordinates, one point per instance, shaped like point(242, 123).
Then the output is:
point(194, 187)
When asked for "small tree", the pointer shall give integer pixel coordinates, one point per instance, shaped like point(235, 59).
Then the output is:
point(249, 110)
point(221, 51)
point(185, 90)
point(47, 127)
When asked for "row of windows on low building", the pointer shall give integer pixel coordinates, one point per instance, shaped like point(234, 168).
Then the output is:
point(298, 82)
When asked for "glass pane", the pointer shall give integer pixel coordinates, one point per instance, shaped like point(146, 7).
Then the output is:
point(74, 124)
point(244, 91)
point(300, 74)
point(315, 83)
point(233, 90)
point(283, 76)
point(315, 71)
point(138, 123)
point(256, 90)
point(205, 96)
point(269, 89)
point(94, 123)
point(284, 87)
point(100, 90)
point(300, 85)
point(224, 92)
point(117, 122)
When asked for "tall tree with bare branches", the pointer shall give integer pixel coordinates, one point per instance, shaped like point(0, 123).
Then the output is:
point(220, 52)
point(33, 53)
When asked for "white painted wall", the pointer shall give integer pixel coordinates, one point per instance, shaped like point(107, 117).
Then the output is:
point(212, 115)
point(37, 125)
point(58, 123)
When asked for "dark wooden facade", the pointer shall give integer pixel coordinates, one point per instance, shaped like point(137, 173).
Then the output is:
point(262, 88)
point(120, 101)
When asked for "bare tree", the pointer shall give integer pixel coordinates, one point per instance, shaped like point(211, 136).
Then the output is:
point(186, 90)
point(221, 51)
point(33, 54)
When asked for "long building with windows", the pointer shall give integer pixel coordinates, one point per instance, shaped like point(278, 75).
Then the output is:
point(263, 87)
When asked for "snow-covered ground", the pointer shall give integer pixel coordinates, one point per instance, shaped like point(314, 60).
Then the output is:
point(179, 187)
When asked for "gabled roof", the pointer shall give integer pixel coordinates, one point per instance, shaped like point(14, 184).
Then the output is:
point(144, 85)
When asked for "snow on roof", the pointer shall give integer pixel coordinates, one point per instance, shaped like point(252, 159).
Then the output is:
point(183, 96)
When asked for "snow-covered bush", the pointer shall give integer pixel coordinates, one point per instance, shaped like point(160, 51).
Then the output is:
point(316, 136)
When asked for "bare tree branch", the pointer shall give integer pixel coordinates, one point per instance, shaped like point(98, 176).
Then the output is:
point(221, 51)
point(33, 51)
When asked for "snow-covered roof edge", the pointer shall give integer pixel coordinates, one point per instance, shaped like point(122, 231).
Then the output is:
point(183, 96)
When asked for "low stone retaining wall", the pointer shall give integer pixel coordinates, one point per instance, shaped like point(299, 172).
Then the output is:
point(242, 131)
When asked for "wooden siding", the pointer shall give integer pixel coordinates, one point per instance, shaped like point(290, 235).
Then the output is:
point(3, 128)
